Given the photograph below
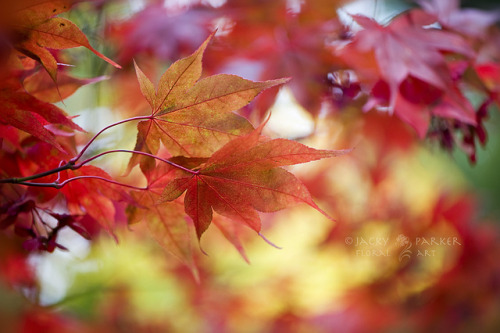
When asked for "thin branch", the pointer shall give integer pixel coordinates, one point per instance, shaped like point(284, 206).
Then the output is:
point(103, 179)
point(70, 165)
point(58, 186)
point(74, 159)
point(140, 153)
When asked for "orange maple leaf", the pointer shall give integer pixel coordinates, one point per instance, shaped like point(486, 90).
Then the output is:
point(193, 117)
point(244, 177)
point(34, 30)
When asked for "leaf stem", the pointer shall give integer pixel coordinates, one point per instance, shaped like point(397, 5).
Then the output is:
point(72, 165)
point(58, 186)
point(74, 159)
point(140, 153)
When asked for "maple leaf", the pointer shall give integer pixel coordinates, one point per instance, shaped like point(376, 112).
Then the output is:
point(91, 196)
point(231, 231)
point(469, 21)
point(279, 39)
point(165, 223)
point(41, 85)
point(35, 30)
point(160, 32)
point(31, 115)
point(9, 134)
point(403, 49)
point(244, 177)
point(410, 61)
point(194, 117)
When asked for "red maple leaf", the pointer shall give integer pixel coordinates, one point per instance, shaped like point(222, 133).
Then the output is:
point(468, 21)
point(40, 85)
point(30, 114)
point(162, 33)
point(165, 223)
point(406, 65)
point(244, 177)
point(275, 39)
point(92, 196)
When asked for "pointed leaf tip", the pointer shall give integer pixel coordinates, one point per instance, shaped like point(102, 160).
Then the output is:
point(147, 88)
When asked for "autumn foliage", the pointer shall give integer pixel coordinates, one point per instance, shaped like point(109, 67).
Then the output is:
point(196, 93)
